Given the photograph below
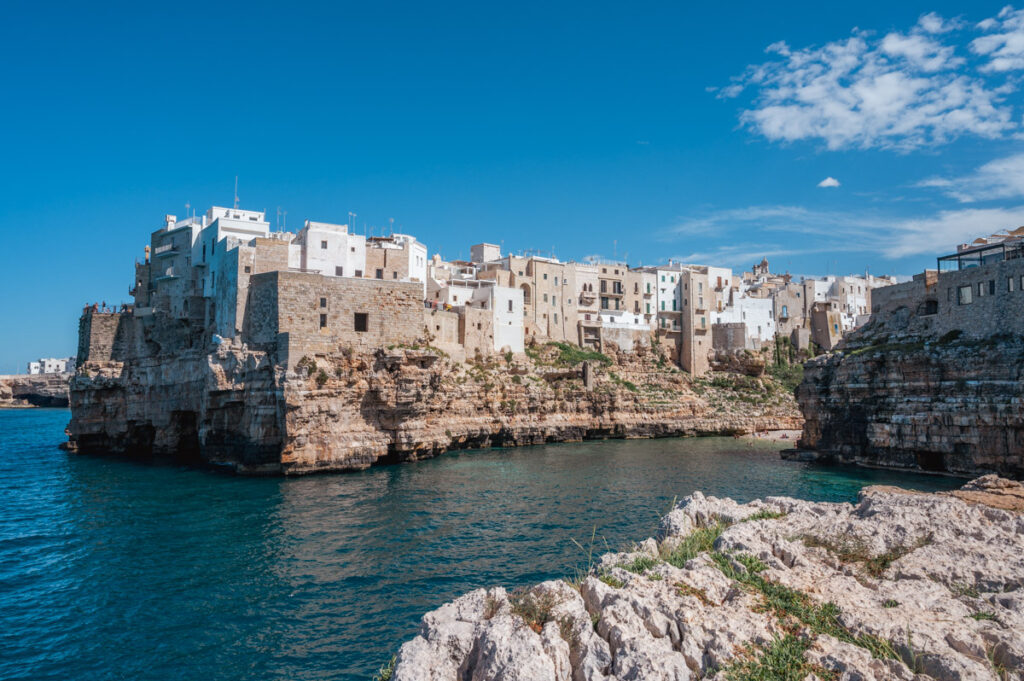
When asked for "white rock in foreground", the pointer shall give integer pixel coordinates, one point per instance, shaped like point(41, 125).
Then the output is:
point(927, 586)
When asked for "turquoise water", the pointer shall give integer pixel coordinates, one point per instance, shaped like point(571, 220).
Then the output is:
point(119, 570)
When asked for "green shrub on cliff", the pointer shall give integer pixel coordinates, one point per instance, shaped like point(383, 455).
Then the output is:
point(788, 376)
point(571, 355)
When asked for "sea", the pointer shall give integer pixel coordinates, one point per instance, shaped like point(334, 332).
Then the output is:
point(116, 569)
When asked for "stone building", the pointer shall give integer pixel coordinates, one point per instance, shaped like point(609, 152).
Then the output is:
point(52, 365)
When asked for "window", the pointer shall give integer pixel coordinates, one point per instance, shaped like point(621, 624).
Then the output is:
point(964, 295)
point(556, 281)
point(379, 273)
point(323, 302)
point(323, 321)
point(556, 317)
point(248, 269)
point(339, 271)
point(648, 308)
point(545, 276)
point(981, 289)
point(510, 306)
point(785, 312)
point(323, 245)
point(545, 297)
point(1009, 284)
point(359, 273)
point(949, 294)
point(394, 275)
point(991, 287)
point(362, 321)
point(663, 305)
point(663, 277)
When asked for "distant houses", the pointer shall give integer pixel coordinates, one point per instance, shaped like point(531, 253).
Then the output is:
point(326, 287)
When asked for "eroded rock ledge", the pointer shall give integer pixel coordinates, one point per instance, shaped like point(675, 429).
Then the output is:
point(896, 586)
point(242, 409)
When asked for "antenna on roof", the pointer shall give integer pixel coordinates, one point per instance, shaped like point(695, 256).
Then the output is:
point(392, 221)
point(187, 206)
point(236, 192)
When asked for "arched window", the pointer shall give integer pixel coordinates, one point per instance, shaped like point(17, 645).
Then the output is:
point(526, 294)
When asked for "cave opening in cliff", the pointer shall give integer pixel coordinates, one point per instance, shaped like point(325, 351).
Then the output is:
point(933, 462)
point(184, 427)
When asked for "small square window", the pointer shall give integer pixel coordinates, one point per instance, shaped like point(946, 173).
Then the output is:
point(394, 275)
point(339, 271)
point(362, 321)
point(323, 245)
point(248, 269)
point(379, 273)
point(323, 302)
point(359, 274)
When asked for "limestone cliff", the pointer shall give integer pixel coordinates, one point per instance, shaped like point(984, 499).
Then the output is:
point(34, 390)
point(899, 586)
point(951, 404)
point(239, 408)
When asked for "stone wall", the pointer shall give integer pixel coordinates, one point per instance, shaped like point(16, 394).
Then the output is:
point(101, 337)
point(931, 306)
point(287, 309)
point(732, 336)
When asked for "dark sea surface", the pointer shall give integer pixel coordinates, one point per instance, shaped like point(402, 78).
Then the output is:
point(118, 570)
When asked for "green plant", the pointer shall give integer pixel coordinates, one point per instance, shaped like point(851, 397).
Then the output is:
point(611, 580)
point(386, 671)
point(990, 616)
point(856, 550)
point(788, 375)
point(793, 607)
point(640, 564)
point(571, 355)
point(307, 363)
point(687, 590)
point(534, 609)
point(697, 542)
point(625, 384)
point(508, 356)
point(321, 378)
point(581, 573)
point(781, 660)
point(764, 514)
point(891, 603)
point(517, 379)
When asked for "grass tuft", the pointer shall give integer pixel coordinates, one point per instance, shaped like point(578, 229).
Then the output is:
point(534, 609)
point(781, 660)
point(386, 671)
point(640, 564)
point(697, 542)
point(611, 580)
point(856, 550)
point(764, 514)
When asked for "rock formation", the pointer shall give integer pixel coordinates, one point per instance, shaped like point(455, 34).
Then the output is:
point(34, 390)
point(241, 408)
point(953, 404)
point(900, 585)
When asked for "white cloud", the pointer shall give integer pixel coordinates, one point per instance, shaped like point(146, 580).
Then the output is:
point(794, 230)
point(829, 182)
point(1004, 47)
point(943, 231)
point(901, 91)
point(1002, 178)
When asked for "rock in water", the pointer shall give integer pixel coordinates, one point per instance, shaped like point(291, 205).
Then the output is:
point(900, 585)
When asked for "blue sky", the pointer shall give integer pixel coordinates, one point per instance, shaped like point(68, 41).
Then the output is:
point(654, 130)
